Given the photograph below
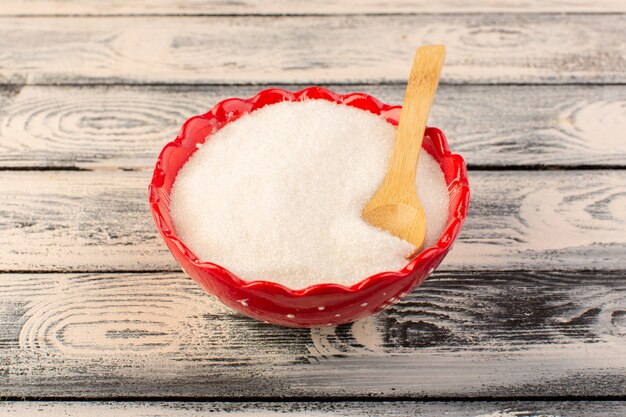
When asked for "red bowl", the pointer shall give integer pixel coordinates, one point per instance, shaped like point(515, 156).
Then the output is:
point(316, 305)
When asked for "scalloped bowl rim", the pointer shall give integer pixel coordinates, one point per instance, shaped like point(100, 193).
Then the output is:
point(451, 230)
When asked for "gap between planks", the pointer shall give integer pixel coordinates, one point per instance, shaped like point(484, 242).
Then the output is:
point(365, 399)
point(303, 15)
point(470, 167)
point(17, 83)
point(214, 7)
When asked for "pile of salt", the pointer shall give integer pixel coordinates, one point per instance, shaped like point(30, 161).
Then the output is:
point(277, 196)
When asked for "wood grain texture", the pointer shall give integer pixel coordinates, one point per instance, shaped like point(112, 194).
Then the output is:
point(125, 127)
point(217, 7)
point(73, 221)
point(518, 48)
point(488, 334)
point(316, 409)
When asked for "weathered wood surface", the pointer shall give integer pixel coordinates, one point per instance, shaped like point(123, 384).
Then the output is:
point(113, 127)
point(245, 7)
point(318, 409)
point(482, 48)
point(100, 221)
point(488, 334)
point(492, 333)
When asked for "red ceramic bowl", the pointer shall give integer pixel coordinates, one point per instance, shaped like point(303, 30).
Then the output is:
point(317, 305)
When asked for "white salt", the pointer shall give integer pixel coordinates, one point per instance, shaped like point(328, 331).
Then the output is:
point(277, 196)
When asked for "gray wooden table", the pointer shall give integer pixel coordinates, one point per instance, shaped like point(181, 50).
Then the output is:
point(527, 315)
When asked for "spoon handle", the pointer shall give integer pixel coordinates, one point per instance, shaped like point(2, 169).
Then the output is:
point(418, 98)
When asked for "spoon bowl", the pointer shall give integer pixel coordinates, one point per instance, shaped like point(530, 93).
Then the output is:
point(404, 220)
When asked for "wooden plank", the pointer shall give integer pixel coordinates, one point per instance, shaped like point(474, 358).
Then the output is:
point(315, 409)
point(488, 334)
point(125, 127)
point(99, 221)
point(246, 7)
point(518, 48)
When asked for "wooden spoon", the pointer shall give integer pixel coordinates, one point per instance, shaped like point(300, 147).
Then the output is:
point(395, 207)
